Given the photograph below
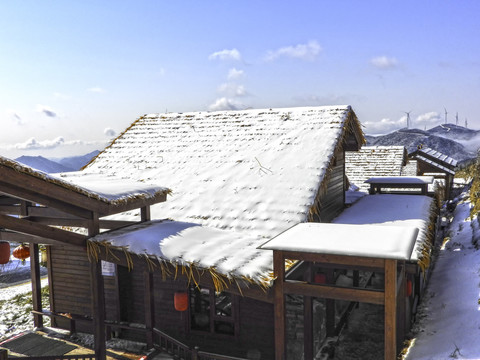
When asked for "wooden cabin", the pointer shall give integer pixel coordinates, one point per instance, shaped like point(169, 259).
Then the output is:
point(240, 176)
point(434, 163)
point(374, 161)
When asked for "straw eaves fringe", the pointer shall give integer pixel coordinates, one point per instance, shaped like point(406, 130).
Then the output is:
point(427, 246)
point(191, 270)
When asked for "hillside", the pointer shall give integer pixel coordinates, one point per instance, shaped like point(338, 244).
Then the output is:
point(43, 164)
point(455, 141)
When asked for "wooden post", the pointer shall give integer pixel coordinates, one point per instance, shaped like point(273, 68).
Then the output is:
point(36, 285)
point(98, 310)
point(3, 354)
point(145, 213)
point(98, 296)
point(390, 309)
point(279, 305)
point(401, 305)
point(330, 307)
point(308, 319)
point(149, 306)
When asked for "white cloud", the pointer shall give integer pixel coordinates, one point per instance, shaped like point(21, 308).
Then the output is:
point(233, 90)
point(13, 115)
point(34, 144)
point(96, 89)
point(61, 96)
point(384, 126)
point(109, 132)
point(232, 54)
point(225, 103)
point(428, 119)
point(307, 51)
point(384, 62)
point(234, 74)
point(46, 110)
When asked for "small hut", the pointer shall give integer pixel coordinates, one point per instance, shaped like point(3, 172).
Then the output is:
point(434, 163)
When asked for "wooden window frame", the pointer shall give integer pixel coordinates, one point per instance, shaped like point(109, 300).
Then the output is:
point(233, 319)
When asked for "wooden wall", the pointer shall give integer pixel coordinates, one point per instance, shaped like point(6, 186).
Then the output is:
point(333, 202)
point(124, 297)
point(70, 284)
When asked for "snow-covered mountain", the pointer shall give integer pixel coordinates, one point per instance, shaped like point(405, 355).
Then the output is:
point(76, 162)
point(455, 141)
point(57, 165)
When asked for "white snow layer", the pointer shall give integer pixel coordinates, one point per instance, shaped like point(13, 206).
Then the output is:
point(255, 170)
point(384, 242)
point(230, 253)
point(392, 210)
point(102, 187)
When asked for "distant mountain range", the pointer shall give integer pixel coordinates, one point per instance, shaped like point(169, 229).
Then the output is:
point(57, 165)
point(455, 141)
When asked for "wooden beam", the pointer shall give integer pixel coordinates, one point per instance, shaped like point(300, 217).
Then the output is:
point(32, 228)
point(334, 292)
point(25, 193)
point(358, 262)
point(279, 305)
point(390, 309)
point(25, 238)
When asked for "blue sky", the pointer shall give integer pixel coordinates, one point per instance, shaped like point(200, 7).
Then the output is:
point(76, 73)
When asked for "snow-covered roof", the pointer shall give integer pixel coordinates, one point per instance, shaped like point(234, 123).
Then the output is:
point(372, 161)
point(254, 170)
point(374, 241)
point(232, 256)
point(106, 188)
point(436, 159)
point(400, 180)
point(410, 169)
point(394, 210)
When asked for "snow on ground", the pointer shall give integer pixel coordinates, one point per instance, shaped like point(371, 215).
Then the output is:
point(448, 324)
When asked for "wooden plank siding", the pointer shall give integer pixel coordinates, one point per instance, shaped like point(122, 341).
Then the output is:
point(125, 302)
point(333, 201)
point(70, 285)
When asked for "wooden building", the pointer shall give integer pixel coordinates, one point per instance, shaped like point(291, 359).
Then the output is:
point(433, 162)
point(240, 176)
point(373, 161)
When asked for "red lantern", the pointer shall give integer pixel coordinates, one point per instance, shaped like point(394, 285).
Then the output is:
point(21, 252)
point(320, 278)
point(409, 289)
point(181, 301)
point(4, 252)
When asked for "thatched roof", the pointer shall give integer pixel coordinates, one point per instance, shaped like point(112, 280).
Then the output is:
point(258, 171)
point(372, 161)
point(107, 189)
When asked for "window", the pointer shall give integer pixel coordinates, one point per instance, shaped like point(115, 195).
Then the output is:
point(212, 311)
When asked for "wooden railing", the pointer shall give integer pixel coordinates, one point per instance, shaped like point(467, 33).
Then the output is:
point(179, 350)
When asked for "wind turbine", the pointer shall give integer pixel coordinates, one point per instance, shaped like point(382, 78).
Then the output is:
point(446, 116)
point(408, 118)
